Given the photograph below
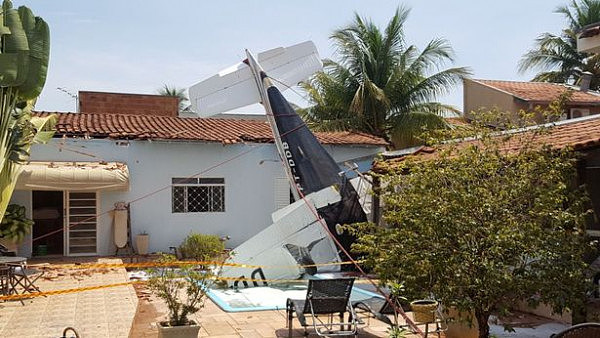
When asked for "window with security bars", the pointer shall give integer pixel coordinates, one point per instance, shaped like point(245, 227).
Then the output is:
point(198, 195)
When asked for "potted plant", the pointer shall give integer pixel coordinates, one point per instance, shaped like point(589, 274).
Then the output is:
point(183, 289)
point(14, 226)
point(141, 243)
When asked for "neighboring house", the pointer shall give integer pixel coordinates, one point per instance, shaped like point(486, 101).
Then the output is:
point(582, 134)
point(513, 96)
point(180, 175)
point(588, 39)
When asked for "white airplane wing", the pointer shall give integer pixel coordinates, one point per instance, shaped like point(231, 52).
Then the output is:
point(235, 86)
point(295, 238)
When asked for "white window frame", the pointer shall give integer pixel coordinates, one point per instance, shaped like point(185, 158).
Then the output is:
point(186, 183)
point(67, 223)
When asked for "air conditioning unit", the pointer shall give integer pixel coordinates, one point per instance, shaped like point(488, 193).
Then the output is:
point(579, 112)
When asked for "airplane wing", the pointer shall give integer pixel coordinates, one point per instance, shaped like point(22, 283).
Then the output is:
point(235, 87)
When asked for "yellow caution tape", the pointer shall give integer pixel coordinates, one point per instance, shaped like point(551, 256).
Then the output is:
point(98, 287)
point(135, 265)
point(158, 264)
point(64, 291)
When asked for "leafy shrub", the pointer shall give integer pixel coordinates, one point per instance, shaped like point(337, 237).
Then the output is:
point(201, 247)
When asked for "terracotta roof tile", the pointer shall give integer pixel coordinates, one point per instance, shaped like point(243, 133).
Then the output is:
point(226, 131)
point(581, 133)
point(458, 122)
point(541, 91)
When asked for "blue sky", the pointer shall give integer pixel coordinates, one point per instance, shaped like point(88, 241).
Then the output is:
point(136, 46)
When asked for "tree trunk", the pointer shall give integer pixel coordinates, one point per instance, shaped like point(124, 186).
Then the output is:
point(579, 312)
point(482, 321)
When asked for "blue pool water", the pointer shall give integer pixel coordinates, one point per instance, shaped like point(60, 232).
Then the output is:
point(271, 297)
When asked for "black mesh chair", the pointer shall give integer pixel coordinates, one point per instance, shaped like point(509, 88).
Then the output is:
point(5, 252)
point(325, 297)
point(379, 308)
point(585, 330)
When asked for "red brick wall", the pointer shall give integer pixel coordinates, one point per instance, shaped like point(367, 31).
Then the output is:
point(135, 104)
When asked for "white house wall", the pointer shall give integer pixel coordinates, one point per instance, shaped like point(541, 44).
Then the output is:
point(24, 198)
point(249, 185)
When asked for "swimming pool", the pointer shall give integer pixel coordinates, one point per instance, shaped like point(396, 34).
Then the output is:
point(273, 297)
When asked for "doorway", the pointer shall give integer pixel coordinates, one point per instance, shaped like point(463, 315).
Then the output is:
point(48, 215)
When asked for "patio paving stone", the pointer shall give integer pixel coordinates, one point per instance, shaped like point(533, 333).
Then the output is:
point(92, 313)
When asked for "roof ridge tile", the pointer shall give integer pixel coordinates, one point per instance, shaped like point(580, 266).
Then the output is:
point(226, 131)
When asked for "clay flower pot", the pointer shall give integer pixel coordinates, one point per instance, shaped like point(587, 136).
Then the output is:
point(141, 243)
point(424, 310)
point(184, 331)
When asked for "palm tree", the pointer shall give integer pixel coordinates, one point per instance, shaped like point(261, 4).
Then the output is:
point(556, 56)
point(381, 85)
point(179, 93)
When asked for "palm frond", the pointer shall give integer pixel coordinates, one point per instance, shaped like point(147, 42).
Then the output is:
point(174, 91)
point(555, 57)
point(377, 78)
point(407, 130)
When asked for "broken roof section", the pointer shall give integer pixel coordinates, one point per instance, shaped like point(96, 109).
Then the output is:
point(152, 127)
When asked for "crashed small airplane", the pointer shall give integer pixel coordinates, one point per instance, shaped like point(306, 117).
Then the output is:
point(306, 231)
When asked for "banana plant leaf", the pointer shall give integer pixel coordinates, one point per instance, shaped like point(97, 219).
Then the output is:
point(16, 42)
point(3, 29)
point(39, 56)
point(9, 69)
point(27, 19)
point(44, 127)
point(9, 171)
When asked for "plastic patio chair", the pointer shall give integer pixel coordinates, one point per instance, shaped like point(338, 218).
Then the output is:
point(325, 297)
point(584, 330)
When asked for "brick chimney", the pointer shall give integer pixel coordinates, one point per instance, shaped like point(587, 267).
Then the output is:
point(584, 81)
point(133, 104)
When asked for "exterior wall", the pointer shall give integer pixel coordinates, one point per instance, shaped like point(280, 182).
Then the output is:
point(477, 96)
point(589, 45)
point(545, 310)
point(250, 178)
point(137, 104)
point(593, 109)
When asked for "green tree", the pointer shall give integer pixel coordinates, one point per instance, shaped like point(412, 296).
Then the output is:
point(556, 56)
point(381, 85)
point(179, 93)
point(24, 54)
point(483, 224)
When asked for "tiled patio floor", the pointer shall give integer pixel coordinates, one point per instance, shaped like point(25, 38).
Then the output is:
point(117, 312)
point(217, 323)
point(99, 313)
